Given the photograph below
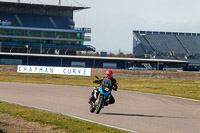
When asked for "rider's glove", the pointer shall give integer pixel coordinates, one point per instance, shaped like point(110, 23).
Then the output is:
point(96, 81)
point(115, 87)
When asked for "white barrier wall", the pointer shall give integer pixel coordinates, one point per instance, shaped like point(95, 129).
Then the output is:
point(54, 70)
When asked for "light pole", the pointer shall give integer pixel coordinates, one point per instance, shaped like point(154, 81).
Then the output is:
point(27, 54)
point(26, 48)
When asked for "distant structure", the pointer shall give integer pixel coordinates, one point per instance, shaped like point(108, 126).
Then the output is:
point(45, 35)
point(168, 45)
point(41, 29)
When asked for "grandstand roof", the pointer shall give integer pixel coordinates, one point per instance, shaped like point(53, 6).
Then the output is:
point(42, 29)
point(167, 33)
point(39, 6)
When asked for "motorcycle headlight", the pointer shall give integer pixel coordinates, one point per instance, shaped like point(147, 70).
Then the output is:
point(106, 89)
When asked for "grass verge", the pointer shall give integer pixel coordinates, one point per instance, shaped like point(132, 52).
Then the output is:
point(68, 124)
point(172, 87)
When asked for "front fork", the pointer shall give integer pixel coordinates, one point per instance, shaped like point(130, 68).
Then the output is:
point(106, 99)
point(97, 97)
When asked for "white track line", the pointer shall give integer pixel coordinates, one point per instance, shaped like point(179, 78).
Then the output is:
point(183, 98)
point(131, 131)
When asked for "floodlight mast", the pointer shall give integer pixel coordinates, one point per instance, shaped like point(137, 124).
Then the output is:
point(59, 3)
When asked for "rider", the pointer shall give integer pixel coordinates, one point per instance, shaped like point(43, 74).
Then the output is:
point(107, 81)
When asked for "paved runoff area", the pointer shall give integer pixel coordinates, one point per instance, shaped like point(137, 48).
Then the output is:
point(140, 112)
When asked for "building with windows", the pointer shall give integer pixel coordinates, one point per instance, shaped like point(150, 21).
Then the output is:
point(41, 29)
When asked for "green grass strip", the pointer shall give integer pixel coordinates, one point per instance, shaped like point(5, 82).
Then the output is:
point(68, 124)
point(173, 87)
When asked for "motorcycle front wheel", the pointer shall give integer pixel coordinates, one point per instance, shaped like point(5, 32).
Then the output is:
point(99, 105)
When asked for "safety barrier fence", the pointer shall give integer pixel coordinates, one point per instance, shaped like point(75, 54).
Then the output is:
point(130, 73)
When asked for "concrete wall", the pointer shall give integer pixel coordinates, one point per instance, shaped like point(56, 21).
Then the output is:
point(8, 68)
point(130, 73)
point(64, 62)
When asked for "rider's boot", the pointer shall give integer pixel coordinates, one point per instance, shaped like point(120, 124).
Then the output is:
point(106, 103)
point(91, 98)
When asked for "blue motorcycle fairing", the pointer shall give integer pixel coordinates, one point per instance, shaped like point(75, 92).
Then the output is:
point(103, 93)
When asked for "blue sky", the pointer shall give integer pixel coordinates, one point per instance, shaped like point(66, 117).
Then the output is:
point(112, 21)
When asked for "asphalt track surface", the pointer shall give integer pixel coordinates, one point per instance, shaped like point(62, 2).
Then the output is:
point(140, 112)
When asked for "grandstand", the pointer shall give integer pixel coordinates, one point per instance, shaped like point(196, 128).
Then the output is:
point(168, 45)
point(41, 29)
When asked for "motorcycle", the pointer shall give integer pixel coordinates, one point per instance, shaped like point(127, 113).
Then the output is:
point(101, 94)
